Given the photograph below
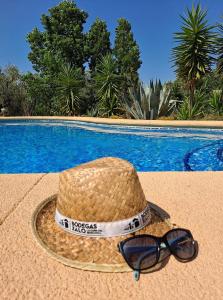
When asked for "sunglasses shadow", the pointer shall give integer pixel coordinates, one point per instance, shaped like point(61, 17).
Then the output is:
point(165, 253)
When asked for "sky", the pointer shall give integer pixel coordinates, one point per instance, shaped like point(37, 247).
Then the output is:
point(153, 24)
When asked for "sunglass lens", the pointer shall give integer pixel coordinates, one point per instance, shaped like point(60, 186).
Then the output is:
point(181, 243)
point(141, 252)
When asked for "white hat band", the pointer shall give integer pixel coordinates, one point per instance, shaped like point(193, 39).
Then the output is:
point(104, 229)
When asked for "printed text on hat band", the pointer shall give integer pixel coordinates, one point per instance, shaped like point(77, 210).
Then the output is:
point(104, 229)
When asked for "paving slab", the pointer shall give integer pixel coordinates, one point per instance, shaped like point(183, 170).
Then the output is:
point(13, 188)
point(193, 200)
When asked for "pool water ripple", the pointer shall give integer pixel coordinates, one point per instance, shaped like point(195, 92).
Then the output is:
point(206, 158)
point(36, 146)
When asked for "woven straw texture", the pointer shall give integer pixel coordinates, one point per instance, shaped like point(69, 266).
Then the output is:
point(103, 190)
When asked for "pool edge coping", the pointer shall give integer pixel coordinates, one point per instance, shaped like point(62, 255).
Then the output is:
point(155, 123)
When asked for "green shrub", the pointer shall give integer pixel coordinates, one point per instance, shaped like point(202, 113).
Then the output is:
point(216, 102)
point(188, 111)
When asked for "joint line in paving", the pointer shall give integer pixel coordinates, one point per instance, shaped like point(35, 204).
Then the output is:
point(20, 200)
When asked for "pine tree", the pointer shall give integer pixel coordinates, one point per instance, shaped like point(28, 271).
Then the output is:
point(127, 51)
point(98, 43)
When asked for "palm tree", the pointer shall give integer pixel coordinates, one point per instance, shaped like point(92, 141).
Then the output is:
point(220, 49)
point(107, 83)
point(69, 83)
point(192, 56)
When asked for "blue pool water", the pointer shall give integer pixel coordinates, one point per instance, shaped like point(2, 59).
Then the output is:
point(52, 146)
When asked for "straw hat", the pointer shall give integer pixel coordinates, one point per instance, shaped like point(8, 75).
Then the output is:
point(98, 204)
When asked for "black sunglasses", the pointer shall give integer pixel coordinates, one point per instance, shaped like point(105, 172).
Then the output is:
point(142, 252)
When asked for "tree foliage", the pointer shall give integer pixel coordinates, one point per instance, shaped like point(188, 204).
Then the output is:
point(98, 43)
point(12, 91)
point(40, 92)
point(78, 73)
point(62, 50)
point(62, 39)
point(126, 51)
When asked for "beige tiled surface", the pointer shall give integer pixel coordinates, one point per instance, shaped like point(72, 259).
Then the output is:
point(12, 190)
point(193, 200)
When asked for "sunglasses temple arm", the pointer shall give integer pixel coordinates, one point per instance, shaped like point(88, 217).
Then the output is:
point(136, 275)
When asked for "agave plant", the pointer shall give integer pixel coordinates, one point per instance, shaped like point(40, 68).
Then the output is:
point(188, 111)
point(216, 102)
point(160, 101)
point(92, 112)
point(137, 105)
point(149, 102)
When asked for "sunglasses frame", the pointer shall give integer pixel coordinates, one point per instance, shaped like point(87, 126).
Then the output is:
point(159, 241)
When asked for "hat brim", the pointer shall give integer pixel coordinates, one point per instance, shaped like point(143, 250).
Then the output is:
point(94, 254)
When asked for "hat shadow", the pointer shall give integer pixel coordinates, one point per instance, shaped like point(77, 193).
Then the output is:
point(165, 253)
point(164, 214)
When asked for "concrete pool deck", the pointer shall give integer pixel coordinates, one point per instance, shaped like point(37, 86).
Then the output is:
point(193, 200)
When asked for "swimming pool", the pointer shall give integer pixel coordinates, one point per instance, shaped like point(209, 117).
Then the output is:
point(37, 146)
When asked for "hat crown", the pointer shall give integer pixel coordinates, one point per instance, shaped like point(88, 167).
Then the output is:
point(104, 190)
